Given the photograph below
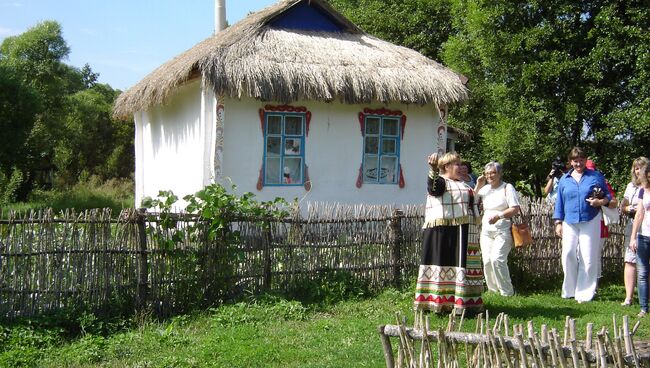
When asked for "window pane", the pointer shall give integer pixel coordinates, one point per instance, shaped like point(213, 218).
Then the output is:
point(272, 170)
point(370, 168)
point(372, 125)
point(372, 145)
point(293, 125)
point(273, 146)
point(388, 173)
point(292, 171)
point(274, 124)
point(390, 127)
point(292, 146)
point(389, 145)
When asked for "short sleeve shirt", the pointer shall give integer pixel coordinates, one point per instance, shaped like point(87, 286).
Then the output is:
point(496, 200)
point(645, 206)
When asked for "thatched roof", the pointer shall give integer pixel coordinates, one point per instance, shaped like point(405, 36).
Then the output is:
point(255, 59)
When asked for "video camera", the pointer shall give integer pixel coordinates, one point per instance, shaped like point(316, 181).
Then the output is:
point(557, 167)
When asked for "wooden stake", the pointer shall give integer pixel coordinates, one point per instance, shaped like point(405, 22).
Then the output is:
point(588, 340)
point(462, 318)
point(506, 352)
point(566, 331)
point(551, 344)
point(388, 349)
point(493, 342)
point(523, 361)
point(583, 355)
point(544, 333)
point(574, 352)
point(626, 335)
point(602, 351)
point(540, 350)
point(558, 349)
point(533, 353)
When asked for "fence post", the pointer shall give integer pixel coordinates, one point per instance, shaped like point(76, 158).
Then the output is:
point(143, 274)
point(266, 226)
point(396, 236)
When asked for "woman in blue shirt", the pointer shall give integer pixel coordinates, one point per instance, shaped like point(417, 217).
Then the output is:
point(577, 221)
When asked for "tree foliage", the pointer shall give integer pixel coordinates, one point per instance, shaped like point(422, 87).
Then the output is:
point(422, 25)
point(56, 119)
point(549, 75)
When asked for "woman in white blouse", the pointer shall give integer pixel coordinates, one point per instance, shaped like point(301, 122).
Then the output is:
point(500, 203)
point(628, 208)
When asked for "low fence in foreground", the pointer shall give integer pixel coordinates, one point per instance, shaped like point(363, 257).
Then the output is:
point(95, 260)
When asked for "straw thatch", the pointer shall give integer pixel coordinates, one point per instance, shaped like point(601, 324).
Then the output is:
point(253, 58)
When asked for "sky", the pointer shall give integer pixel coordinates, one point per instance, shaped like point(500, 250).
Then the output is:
point(123, 40)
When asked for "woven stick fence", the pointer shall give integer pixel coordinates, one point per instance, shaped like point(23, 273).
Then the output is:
point(496, 346)
point(100, 261)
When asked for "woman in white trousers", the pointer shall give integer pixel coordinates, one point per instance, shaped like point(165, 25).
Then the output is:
point(500, 203)
point(577, 215)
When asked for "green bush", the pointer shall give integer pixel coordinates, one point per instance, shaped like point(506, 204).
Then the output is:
point(91, 193)
point(9, 186)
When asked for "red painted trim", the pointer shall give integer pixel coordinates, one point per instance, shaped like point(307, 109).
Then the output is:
point(285, 108)
point(402, 183)
point(260, 179)
point(360, 177)
point(382, 111)
point(308, 118)
point(261, 112)
point(307, 184)
point(403, 122)
point(362, 123)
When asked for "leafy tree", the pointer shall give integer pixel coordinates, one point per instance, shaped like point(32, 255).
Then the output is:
point(36, 57)
point(57, 118)
point(18, 107)
point(548, 75)
point(422, 25)
point(94, 143)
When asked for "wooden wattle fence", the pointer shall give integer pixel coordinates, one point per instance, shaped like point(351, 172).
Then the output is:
point(96, 260)
point(494, 345)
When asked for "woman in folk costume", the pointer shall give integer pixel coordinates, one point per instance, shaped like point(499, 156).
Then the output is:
point(450, 275)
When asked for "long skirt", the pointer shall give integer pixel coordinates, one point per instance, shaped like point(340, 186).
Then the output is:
point(450, 275)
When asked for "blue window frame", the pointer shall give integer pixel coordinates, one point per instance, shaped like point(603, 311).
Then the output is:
point(284, 149)
point(381, 149)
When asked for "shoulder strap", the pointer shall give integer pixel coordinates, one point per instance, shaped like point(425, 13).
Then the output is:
point(521, 213)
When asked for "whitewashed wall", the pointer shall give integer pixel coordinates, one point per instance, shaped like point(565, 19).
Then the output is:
point(172, 144)
point(333, 152)
point(175, 150)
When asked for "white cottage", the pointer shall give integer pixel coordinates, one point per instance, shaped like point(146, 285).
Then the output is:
point(294, 101)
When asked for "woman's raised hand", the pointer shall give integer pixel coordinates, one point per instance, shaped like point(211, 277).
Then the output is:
point(433, 161)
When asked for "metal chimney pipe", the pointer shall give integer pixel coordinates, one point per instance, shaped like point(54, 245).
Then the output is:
point(219, 15)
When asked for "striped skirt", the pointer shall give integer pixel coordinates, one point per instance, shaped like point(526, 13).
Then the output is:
point(450, 275)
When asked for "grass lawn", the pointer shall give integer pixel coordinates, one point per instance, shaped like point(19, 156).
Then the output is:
point(276, 332)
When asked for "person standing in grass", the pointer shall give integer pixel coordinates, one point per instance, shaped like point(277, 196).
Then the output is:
point(500, 203)
point(581, 192)
point(628, 208)
point(450, 276)
point(640, 239)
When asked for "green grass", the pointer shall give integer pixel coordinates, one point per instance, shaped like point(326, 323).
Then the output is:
point(115, 194)
point(275, 332)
